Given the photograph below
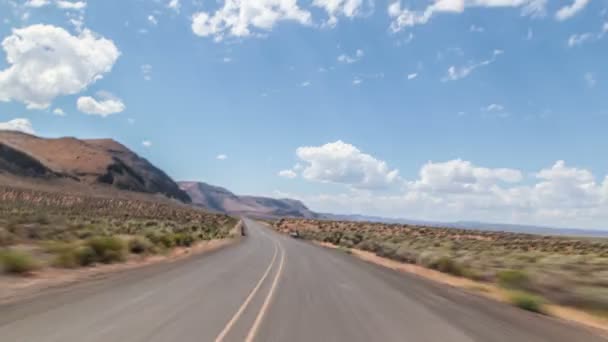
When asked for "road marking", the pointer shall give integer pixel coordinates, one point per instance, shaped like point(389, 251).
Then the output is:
point(238, 314)
point(264, 309)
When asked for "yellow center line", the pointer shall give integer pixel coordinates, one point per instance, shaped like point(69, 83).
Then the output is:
point(264, 309)
point(238, 314)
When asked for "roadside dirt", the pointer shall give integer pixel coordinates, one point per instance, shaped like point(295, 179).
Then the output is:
point(479, 288)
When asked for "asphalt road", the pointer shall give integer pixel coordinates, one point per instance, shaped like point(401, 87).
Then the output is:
point(272, 288)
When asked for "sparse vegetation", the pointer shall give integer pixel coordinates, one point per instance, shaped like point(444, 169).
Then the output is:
point(562, 270)
point(527, 301)
point(16, 261)
point(68, 230)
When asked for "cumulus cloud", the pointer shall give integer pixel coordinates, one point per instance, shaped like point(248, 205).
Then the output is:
point(46, 61)
point(460, 176)
point(288, 174)
point(344, 58)
point(19, 124)
point(343, 163)
point(146, 143)
point(457, 189)
point(580, 38)
point(105, 105)
point(241, 18)
point(404, 17)
point(459, 72)
point(221, 157)
point(569, 11)
point(412, 76)
point(336, 8)
point(152, 20)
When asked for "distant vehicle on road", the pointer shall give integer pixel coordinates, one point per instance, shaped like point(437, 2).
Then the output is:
point(294, 234)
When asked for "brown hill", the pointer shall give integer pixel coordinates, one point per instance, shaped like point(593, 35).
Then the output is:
point(94, 162)
point(218, 199)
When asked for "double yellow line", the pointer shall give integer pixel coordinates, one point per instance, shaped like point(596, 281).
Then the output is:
point(262, 312)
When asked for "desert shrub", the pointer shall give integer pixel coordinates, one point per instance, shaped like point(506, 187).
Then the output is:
point(183, 239)
point(447, 264)
point(369, 245)
point(387, 250)
point(513, 279)
point(140, 245)
point(17, 262)
point(405, 254)
point(167, 240)
point(108, 249)
point(527, 301)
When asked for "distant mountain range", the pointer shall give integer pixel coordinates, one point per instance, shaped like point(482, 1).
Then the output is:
point(219, 199)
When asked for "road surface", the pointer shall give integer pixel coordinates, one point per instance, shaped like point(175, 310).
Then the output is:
point(272, 288)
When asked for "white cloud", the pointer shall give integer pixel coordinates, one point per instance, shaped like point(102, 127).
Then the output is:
point(579, 39)
point(237, 18)
point(567, 12)
point(344, 58)
point(336, 8)
point(459, 176)
point(456, 73)
point(37, 3)
point(58, 112)
point(146, 71)
point(71, 5)
point(105, 106)
point(174, 5)
point(357, 81)
point(412, 76)
point(46, 61)
point(559, 195)
point(305, 84)
point(590, 79)
point(288, 174)
point(404, 17)
point(227, 59)
point(19, 124)
point(152, 20)
point(221, 157)
point(343, 163)
point(146, 143)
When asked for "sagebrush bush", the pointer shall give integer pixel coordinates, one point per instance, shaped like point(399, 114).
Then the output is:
point(17, 262)
point(527, 301)
point(513, 279)
point(140, 245)
point(108, 249)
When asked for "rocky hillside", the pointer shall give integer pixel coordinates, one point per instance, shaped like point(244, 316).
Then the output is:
point(95, 162)
point(222, 200)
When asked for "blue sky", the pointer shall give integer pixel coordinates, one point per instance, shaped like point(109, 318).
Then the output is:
point(442, 110)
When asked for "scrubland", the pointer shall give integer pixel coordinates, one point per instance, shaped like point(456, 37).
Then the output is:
point(41, 229)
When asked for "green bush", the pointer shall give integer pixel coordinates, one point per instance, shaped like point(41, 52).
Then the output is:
point(183, 239)
point(513, 279)
point(107, 249)
point(140, 245)
point(527, 301)
point(405, 254)
point(17, 262)
point(446, 264)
